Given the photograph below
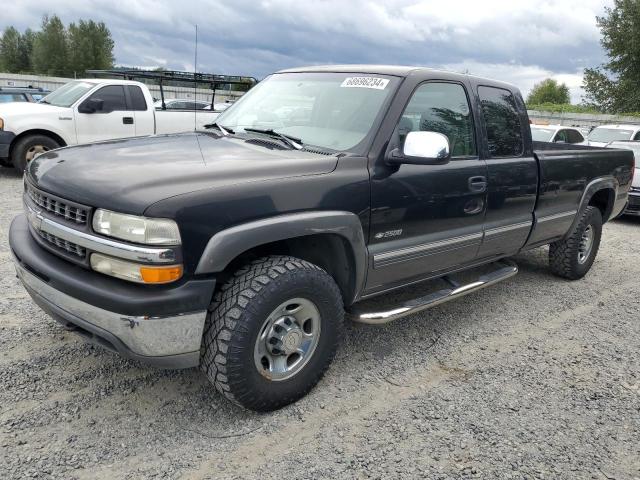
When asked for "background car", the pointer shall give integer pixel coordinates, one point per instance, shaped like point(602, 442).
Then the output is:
point(221, 107)
point(22, 94)
point(182, 104)
point(557, 134)
point(604, 134)
point(633, 207)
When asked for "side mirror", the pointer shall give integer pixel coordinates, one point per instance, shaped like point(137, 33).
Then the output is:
point(91, 105)
point(422, 148)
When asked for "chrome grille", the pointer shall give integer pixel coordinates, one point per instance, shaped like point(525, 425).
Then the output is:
point(58, 207)
point(65, 245)
point(635, 189)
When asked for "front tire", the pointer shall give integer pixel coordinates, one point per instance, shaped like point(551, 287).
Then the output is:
point(573, 256)
point(272, 332)
point(28, 147)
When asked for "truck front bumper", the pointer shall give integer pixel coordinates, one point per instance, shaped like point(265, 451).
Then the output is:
point(633, 207)
point(159, 326)
point(5, 143)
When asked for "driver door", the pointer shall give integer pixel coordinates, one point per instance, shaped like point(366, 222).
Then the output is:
point(428, 218)
point(111, 121)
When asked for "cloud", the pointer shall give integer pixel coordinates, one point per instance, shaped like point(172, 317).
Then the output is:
point(522, 42)
point(525, 76)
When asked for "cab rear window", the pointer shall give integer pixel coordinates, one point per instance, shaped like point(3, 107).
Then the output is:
point(504, 130)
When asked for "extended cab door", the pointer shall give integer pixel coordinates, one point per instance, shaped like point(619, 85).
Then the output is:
point(428, 218)
point(143, 111)
point(513, 172)
point(104, 115)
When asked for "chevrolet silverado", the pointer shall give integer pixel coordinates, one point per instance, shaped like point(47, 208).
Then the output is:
point(238, 248)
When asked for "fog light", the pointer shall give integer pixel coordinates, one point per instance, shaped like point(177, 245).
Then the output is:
point(135, 272)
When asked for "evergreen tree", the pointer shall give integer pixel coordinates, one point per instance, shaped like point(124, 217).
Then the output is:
point(90, 46)
point(50, 48)
point(11, 54)
point(26, 50)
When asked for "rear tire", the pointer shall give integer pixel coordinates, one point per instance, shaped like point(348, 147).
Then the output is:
point(573, 256)
point(272, 332)
point(28, 147)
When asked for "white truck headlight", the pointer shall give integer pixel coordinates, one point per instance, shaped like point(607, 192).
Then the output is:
point(147, 231)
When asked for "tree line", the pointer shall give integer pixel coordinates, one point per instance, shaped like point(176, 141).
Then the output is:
point(57, 50)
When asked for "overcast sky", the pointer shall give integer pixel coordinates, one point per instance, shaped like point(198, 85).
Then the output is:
point(521, 42)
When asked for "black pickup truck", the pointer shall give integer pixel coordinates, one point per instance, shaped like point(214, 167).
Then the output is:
point(239, 248)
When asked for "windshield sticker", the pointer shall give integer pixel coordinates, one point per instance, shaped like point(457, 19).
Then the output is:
point(365, 82)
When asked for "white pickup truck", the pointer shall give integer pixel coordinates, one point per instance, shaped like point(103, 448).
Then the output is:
point(84, 111)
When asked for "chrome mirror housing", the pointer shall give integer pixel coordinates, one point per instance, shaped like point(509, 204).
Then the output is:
point(427, 145)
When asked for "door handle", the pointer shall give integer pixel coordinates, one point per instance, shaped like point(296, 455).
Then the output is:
point(477, 184)
point(127, 120)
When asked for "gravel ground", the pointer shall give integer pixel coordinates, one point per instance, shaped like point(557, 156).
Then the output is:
point(536, 377)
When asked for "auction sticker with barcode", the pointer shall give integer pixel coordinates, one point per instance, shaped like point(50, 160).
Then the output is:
point(365, 82)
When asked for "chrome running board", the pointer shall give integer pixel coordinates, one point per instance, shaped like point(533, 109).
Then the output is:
point(504, 269)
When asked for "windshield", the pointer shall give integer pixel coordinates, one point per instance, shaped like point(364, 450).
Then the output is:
point(329, 110)
point(602, 134)
point(542, 134)
point(68, 94)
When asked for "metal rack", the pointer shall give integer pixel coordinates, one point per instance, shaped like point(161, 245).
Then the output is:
point(211, 80)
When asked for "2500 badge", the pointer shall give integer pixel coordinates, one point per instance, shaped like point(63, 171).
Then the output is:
point(390, 233)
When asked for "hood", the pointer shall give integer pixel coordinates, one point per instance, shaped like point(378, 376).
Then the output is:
point(129, 175)
point(7, 110)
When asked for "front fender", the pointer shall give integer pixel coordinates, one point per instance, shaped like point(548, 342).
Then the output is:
point(228, 244)
point(62, 126)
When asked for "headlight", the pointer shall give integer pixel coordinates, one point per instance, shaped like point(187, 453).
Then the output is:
point(135, 272)
point(148, 231)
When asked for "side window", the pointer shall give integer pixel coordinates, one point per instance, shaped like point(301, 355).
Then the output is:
point(575, 136)
point(138, 103)
point(442, 108)
point(562, 137)
point(11, 97)
point(112, 97)
point(176, 106)
point(504, 131)
point(637, 136)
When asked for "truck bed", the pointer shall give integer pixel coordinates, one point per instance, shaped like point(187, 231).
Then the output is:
point(560, 190)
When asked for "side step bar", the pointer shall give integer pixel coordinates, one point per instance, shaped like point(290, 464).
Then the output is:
point(504, 269)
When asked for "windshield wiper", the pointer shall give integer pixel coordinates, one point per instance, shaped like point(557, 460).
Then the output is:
point(225, 130)
point(293, 142)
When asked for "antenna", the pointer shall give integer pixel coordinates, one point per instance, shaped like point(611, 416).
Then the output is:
point(195, 84)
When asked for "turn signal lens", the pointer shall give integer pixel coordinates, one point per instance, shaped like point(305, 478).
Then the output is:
point(134, 272)
point(161, 274)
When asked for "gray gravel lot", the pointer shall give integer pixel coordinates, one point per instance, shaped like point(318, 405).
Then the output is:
point(536, 377)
